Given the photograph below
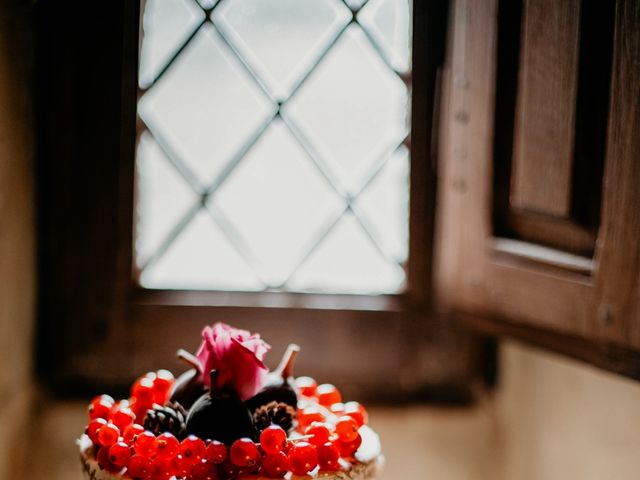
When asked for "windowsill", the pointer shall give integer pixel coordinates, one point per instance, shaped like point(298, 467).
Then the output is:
point(288, 300)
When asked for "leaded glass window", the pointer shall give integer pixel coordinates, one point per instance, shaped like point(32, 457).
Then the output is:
point(273, 145)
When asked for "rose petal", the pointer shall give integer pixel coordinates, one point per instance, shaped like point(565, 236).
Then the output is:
point(238, 357)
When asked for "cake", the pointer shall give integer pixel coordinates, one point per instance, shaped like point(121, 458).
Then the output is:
point(228, 417)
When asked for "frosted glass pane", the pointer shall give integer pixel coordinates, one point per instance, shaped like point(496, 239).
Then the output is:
point(201, 258)
point(347, 262)
point(163, 198)
point(273, 157)
point(385, 206)
point(281, 39)
point(278, 201)
point(166, 25)
point(207, 3)
point(204, 123)
point(389, 23)
point(352, 109)
point(355, 4)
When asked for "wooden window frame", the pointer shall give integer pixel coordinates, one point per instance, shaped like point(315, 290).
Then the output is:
point(586, 308)
point(97, 327)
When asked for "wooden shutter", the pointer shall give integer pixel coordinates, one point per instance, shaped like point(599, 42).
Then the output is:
point(539, 221)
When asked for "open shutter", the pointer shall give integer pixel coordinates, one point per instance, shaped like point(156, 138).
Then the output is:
point(539, 221)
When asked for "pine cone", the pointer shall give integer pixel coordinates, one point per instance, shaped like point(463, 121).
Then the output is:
point(171, 418)
point(274, 413)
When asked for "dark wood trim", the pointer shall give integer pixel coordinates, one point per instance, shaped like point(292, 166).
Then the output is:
point(83, 104)
point(542, 229)
point(576, 230)
point(606, 355)
point(586, 307)
point(429, 30)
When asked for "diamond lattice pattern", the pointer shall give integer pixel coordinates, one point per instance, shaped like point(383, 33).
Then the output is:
point(272, 153)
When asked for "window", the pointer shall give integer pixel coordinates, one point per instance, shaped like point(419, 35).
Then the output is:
point(105, 322)
point(573, 293)
point(273, 148)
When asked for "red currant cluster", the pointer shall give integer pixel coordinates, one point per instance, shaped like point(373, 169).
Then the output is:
point(327, 431)
point(324, 419)
point(154, 387)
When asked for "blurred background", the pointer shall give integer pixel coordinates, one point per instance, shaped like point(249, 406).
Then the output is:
point(437, 200)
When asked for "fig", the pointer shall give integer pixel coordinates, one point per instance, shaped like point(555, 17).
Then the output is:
point(279, 385)
point(220, 415)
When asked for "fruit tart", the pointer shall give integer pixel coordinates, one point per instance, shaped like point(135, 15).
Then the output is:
point(228, 417)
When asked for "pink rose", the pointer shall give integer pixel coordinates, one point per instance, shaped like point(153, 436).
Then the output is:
point(238, 357)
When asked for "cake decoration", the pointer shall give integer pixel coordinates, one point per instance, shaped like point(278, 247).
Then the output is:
point(237, 355)
point(278, 385)
point(220, 415)
point(171, 418)
point(229, 418)
point(274, 413)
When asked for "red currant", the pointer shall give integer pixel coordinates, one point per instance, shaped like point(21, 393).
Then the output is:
point(93, 427)
point(216, 452)
point(180, 467)
point(347, 429)
point(143, 443)
point(142, 391)
point(107, 398)
point(138, 466)
point(131, 431)
point(162, 384)
point(337, 409)
point(100, 407)
point(103, 460)
point(306, 416)
point(108, 434)
point(160, 469)
point(357, 412)
point(244, 453)
point(117, 406)
point(303, 457)
point(138, 408)
point(203, 470)
point(306, 386)
point(193, 449)
point(348, 449)
point(328, 456)
point(287, 447)
point(119, 454)
point(123, 417)
point(275, 465)
point(320, 433)
point(227, 470)
point(328, 394)
point(272, 439)
point(166, 445)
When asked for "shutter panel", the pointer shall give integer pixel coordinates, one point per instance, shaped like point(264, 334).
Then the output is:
point(539, 221)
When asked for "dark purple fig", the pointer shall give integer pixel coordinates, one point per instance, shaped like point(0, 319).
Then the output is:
point(279, 386)
point(189, 386)
point(220, 415)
